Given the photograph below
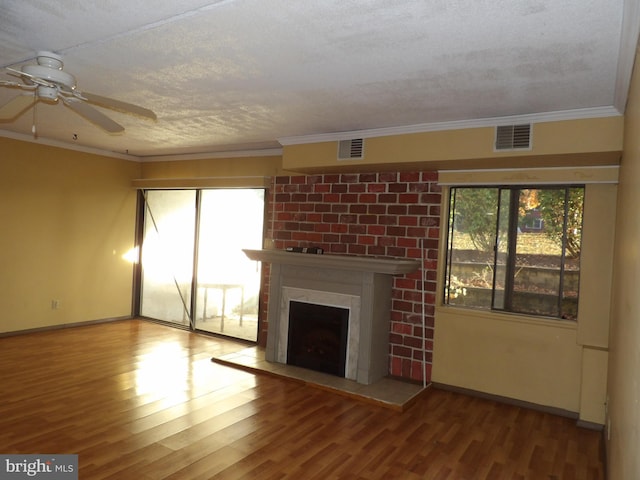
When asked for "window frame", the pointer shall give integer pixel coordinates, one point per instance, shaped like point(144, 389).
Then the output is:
point(514, 192)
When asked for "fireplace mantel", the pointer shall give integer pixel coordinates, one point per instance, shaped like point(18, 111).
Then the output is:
point(389, 266)
point(361, 284)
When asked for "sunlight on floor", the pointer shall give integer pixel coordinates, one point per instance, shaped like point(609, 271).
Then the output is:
point(163, 372)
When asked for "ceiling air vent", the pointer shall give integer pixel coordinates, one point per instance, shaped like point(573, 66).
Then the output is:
point(513, 137)
point(351, 149)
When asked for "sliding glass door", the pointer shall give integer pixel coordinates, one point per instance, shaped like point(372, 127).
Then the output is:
point(167, 255)
point(193, 269)
point(228, 282)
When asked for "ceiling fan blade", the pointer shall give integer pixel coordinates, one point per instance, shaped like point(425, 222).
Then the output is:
point(16, 106)
point(33, 78)
point(6, 83)
point(118, 105)
point(14, 72)
point(93, 115)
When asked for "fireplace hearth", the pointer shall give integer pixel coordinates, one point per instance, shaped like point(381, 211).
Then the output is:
point(318, 337)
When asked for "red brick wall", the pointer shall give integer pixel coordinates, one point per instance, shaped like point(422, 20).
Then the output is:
point(395, 214)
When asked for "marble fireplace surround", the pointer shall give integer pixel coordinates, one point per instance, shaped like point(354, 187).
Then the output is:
point(359, 283)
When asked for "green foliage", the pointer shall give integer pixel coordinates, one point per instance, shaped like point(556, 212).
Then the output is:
point(552, 209)
point(476, 210)
point(475, 215)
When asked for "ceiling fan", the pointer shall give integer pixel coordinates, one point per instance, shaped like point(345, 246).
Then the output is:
point(48, 82)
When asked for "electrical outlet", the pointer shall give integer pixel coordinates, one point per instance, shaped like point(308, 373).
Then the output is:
point(55, 304)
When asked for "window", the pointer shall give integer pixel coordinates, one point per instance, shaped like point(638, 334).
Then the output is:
point(515, 249)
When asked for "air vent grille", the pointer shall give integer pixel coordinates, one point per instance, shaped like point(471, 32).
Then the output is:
point(351, 149)
point(513, 137)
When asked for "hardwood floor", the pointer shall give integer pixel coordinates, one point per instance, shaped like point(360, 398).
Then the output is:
point(138, 400)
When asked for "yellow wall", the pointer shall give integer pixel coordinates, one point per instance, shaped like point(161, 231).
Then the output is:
point(554, 363)
point(596, 265)
point(67, 218)
point(214, 168)
point(593, 389)
point(596, 141)
point(623, 425)
point(530, 360)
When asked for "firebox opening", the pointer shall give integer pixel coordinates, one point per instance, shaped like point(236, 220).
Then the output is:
point(318, 337)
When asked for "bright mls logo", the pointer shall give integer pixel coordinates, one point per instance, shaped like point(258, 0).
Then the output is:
point(51, 467)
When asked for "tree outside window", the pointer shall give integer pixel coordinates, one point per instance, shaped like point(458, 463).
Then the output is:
point(515, 249)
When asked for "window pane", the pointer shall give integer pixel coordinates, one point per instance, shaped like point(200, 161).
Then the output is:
point(538, 258)
point(167, 255)
point(228, 283)
point(547, 258)
point(471, 241)
point(571, 279)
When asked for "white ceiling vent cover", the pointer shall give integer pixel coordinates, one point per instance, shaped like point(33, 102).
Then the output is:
point(351, 149)
point(513, 137)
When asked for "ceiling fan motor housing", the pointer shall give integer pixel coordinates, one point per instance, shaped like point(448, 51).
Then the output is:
point(49, 69)
point(63, 79)
point(49, 59)
point(48, 93)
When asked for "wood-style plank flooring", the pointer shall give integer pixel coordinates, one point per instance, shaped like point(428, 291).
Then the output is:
point(138, 400)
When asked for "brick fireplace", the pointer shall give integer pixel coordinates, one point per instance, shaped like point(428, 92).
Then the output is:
point(390, 214)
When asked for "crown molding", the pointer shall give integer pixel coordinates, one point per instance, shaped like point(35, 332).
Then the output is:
point(67, 146)
point(578, 114)
point(265, 152)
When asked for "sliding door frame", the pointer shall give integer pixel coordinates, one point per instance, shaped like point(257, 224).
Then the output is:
point(138, 269)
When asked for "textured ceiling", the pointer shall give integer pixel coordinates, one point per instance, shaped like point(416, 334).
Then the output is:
point(252, 74)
